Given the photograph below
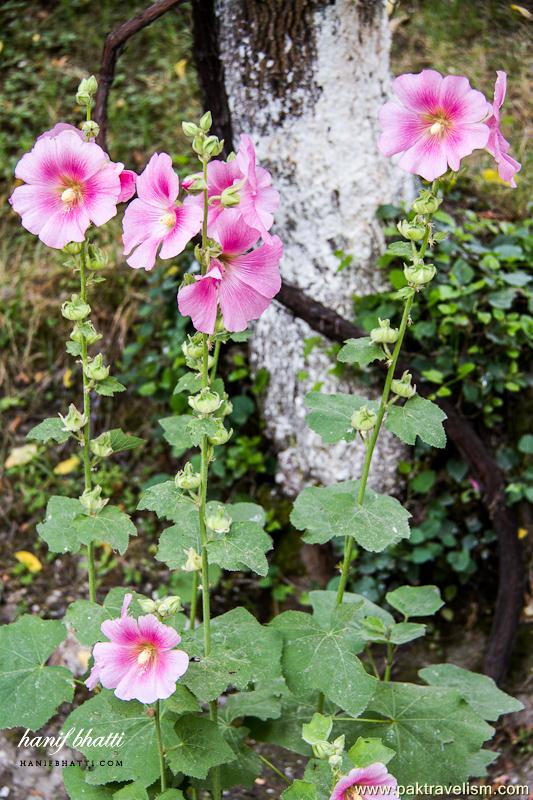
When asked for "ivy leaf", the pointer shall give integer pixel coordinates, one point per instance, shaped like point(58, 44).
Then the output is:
point(300, 790)
point(360, 351)
point(67, 527)
point(109, 386)
point(418, 417)
point(333, 511)
point(77, 789)
point(415, 601)
point(50, 428)
point(479, 691)
point(367, 751)
point(30, 693)
point(139, 754)
point(242, 652)
point(199, 747)
point(433, 731)
point(165, 499)
point(111, 526)
point(118, 440)
point(331, 414)
point(314, 658)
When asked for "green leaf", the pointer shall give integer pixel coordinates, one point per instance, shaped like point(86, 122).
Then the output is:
point(262, 702)
point(182, 701)
point(360, 351)
point(368, 751)
point(287, 730)
point(109, 387)
point(118, 440)
point(479, 691)
point(133, 791)
point(86, 618)
point(244, 547)
point(401, 249)
point(418, 417)
point(404, 632)
point(67, 527)
point(30, 693)
point(199, 747)
point(433, 731)
point(138, 751)
point(246, 765)
point(415, 601)
point(165, 499)
point(50, 428)
point(318, 729)
point(525, 444)
point(330, 414)
point(197, 427)
point(324, 603)
point(333, 511)
point(314, 658)
point(171, 794)
point(300, 790)
point(77, 789)
point(191, 383)
point(186, 430)
point(242, 652)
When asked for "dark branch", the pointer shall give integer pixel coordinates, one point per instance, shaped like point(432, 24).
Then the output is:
point(114, 43)
point(482, 465)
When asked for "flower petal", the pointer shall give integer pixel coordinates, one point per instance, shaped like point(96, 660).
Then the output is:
point(259, 269)
point(420, 91)
point(233, 234)
point(239, 302)
point(188, 223)
point(198, 301)
point(156, 633)
point(158, 183)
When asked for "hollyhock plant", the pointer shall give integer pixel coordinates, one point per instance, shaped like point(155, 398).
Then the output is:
point(139, 662)
point(497, 145)
point(367, 780)
point(68, 183)
point(241, 280)
point(434, 122)
point(155, 219)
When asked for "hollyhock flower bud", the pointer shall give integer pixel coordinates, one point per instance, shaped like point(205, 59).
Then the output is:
point(218, 520)
point(356, 784)
point(230, 197)
point(206, 122)
point(426, 203)
point(404, 387)
point(139, 662)
point(411, 230)
point(72, 248)
point(86, 91)
point(74, 309)
point(169, 605)
point(98, 258)
point(85, 330)
point(363, 419)
point(384, 334)
point(322, 750)
point(419, 273)
point(206, 402)
point(101, 446)
point(96, 369)
point(335, 762)
point(194, 561)
point(90, 129)
point(187, 478)
point(190, 129)
point(222, 435)
point(192, 348)
point(194, 183)
point(74, 420)
point(92, 501)
point(147, 605)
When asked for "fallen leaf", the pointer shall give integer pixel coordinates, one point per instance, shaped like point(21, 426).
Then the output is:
point(67, 466)
point(179, 67)
point(522, 11)
point(20, 456)
point(522, 533)
point(30, 561)
point(67, 378)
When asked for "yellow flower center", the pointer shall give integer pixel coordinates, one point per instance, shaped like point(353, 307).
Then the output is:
point(352, 794)
point(72, 194)
point(168, 220)
point(436, 128)
point(440, 123)
point(145, 655)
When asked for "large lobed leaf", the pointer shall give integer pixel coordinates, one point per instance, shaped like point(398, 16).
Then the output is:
point(330, 415)
point(417, 417)
point(67, 527)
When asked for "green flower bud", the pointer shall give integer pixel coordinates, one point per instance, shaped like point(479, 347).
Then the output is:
point(96, 370)
point(86, 91)
point(419, 273)
point(192, 348)
point(335, 762)
point(411, 230)
point(187, 478)
point(213, 146)
point(322, 750)
point(98, 258)
point(404, 387)
point(74, 309)
point(147, 605)
point(101, 446)
point(222, 435)
point(194, 561)
point(190, 129)
point(206, 402)
point(169, 605)
point(72, 248)
point(85, 330)
point(230, 197)
point(92, 501)
point(363, 419)
point(206, 122)
point(74, 420)
point(339, 744)
point(426, 203)
point(218, 520)
point(384, 334)
point(198, 144)
point(195, 183)
point(90, 129)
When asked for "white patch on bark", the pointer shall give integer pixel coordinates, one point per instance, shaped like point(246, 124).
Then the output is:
point(331, 178)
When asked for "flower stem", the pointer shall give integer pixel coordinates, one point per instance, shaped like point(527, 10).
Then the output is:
point(194, 597)
point(157, 720)
point(389, 661)
point(87, 427)
point(348, 542)
point(272, 766)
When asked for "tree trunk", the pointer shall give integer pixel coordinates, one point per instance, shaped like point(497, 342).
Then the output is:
point(305, 78)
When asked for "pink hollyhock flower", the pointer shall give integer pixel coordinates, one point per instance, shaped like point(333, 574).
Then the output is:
point(355, 785)
point(433, 122)
point(155, 219)
point(139, 661)
point(497, 145)
point(243, 281)
point(69, 183)
point(258, 198)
